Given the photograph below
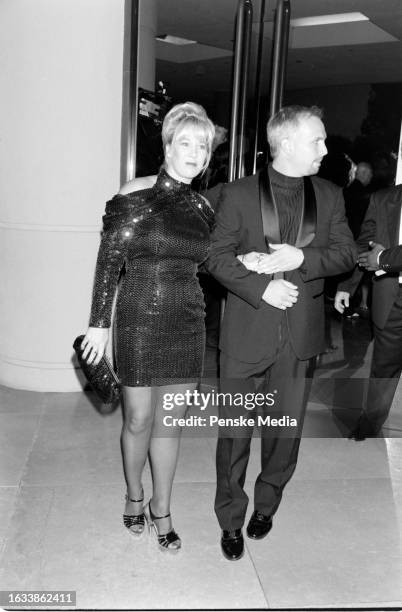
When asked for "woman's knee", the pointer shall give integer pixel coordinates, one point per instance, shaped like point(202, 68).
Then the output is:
point(138, 411)
point(137, 423)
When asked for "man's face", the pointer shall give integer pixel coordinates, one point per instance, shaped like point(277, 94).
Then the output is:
point(306, 146)
point(364, 174)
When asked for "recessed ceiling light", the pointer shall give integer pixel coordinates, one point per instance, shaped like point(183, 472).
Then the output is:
point(175, 40)
point(341, 29)
point(318, 20)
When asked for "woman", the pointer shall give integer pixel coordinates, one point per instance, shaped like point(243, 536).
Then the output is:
point(158, 229)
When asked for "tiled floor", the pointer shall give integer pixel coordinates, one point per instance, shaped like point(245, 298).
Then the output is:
point(336, 537)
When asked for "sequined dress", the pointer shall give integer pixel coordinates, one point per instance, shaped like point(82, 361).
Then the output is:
point(157, 237)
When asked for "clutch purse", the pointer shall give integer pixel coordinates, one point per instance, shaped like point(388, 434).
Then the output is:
point(102, 378)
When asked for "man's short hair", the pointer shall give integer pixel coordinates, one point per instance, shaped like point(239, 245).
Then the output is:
point(286, 119)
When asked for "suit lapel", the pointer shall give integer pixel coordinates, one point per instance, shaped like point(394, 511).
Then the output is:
point(269, 212)
point(270, 218)
point(308, 223)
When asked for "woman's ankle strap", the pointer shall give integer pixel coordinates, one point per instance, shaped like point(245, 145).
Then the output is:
point(134, 500)
point(156, 517)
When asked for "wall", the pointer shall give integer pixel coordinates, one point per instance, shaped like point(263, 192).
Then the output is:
point(61, 84)
point(345, 106)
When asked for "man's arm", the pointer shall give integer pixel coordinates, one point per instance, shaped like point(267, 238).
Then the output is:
point(381, 260)
point(284, 258)
point(390, 260)
point(338, 256)
point(370, 260)
point(222, 262)
point(214, 196)
point(319, 261)
point(233, 274)
point(367, 235)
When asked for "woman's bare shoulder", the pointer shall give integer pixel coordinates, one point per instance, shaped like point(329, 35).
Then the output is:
point(142, 182)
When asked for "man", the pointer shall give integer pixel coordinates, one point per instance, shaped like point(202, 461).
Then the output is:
point(381, 229)
point(357, 199)
point(274, 316)
point(380, 258)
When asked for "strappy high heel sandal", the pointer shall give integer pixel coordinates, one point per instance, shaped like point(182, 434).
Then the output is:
point(169, 541)
point(135, 520)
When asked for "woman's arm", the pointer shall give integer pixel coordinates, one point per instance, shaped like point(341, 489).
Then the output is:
point(118, 231)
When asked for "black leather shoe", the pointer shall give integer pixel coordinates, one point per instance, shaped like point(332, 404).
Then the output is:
point(357, 435)
point(232, 544)
point(363, 430)
point(259, 525)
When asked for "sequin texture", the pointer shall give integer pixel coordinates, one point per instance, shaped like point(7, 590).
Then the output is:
point(158, 237)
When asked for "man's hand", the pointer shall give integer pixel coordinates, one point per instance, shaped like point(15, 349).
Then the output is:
point(284, 259)
point(281, 294)
point(341, 300)
point(368, 259)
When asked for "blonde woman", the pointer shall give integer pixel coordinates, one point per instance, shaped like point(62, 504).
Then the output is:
point(157, 229)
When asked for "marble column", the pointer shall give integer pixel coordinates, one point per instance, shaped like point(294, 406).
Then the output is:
point(61, 84)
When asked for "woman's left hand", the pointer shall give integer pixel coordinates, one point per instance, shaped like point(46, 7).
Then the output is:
point(252, 260)
point(94, 344)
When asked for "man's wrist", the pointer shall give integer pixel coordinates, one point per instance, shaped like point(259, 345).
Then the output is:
point(265, 291)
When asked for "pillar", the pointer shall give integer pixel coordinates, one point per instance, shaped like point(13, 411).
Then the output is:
point(61, 107)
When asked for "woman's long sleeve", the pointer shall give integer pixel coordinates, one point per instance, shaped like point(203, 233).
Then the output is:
point(116, 235)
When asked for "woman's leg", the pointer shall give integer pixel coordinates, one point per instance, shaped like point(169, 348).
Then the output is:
point(138, 416)
point(164, 451)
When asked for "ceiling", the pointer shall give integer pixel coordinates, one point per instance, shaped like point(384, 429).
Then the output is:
point(342, 57)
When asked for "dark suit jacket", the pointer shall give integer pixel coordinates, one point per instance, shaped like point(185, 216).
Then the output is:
point(357, 198)
point(380, 224)
point(391, 259)
point(250, 327)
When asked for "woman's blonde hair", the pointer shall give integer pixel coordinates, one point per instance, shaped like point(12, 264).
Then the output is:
point(185, 114)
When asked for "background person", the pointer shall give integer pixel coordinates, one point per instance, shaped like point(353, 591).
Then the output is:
point(382, 228)
point(357, 199)
point(379, 258)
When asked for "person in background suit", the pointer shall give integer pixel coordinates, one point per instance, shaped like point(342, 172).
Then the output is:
point(380, 258)
point(382, 230)
point(277, 235)
point(357, 199)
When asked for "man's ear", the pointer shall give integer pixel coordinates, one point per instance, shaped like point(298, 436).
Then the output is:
point(286, 146)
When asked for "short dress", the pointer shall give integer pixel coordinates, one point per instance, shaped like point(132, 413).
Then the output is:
point(153, 241)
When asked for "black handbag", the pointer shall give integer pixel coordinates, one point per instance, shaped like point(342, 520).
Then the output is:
point(102, 378)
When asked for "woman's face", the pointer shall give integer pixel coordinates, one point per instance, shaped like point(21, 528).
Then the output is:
point(186, 155)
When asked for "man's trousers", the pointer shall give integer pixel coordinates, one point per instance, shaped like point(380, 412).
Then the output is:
point(386, 367)
point(283, 379)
